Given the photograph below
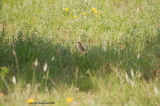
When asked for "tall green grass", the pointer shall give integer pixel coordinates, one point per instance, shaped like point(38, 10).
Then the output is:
point(120, 66)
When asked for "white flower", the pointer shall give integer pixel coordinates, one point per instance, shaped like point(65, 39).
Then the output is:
point(156, 91)
point(45, 67)
point(14, 79)
point(52, 59)
point(127, 78)
point(132, 73)
point(132, 83)
point(28, 86)
point(138, 56)
point(36, 63)
point(137, 10)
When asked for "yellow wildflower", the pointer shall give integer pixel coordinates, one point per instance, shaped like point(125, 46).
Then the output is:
point(2, 94)
point(95, 12)
point(93, 9)
point(69, 100)
point(84, 13)
point(66, 9)
point(75, 16)
point(30, 101)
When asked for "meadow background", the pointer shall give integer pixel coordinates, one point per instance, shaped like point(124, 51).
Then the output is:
point(39, 61)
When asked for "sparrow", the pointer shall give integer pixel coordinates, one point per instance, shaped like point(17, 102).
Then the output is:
point(80, 47)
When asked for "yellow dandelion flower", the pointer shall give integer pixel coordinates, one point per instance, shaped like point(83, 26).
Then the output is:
point(75, 16)
point(2, 94)
point(93, 9)
point(95, 12)
point(66, 9)
point(30, 101)
point(69, 100)
point(84, 13)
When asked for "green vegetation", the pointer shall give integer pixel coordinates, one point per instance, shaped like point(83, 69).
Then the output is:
point(39, 60)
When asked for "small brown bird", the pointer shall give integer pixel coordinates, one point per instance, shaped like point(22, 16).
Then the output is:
point(80, 47)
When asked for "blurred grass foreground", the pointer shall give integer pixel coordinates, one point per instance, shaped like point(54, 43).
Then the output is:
point(40, 63)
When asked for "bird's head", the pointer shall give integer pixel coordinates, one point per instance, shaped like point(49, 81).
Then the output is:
point(78, 43)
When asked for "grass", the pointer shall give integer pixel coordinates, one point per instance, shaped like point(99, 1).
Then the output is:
point(120, 66)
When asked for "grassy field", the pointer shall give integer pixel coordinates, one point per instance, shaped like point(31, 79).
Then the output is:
point(40, 63)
